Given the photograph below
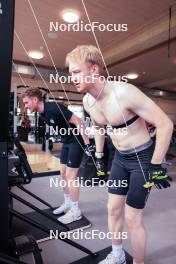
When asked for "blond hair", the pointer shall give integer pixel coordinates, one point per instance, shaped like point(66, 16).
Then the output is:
point(85, 54)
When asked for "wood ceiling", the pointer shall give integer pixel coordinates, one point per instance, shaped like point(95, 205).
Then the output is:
point(142, 49)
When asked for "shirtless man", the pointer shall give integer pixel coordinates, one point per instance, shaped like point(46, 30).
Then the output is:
point(123, 105)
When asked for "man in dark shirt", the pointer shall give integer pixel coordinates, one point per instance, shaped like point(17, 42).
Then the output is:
point(65, 123)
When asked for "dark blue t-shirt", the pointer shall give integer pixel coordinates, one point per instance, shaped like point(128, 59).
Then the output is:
point(57, 117)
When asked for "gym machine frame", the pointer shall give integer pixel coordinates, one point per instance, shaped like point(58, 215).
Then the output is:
point(6, 47)
point(28, 173)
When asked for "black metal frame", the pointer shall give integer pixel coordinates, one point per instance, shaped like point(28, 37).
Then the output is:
point(27, 171)
point(47, 231)
point(26, 176)
point(5, 259)
point(35, 196)
point(16, 197)
point(6, 48)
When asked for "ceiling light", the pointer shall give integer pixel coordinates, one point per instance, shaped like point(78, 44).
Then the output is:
point(52, 35)
point(61, 97)
point(161, 93)
point(132, 76)
point(34, 54)
point(70, 16)
point(157, 93)
point(23, 69)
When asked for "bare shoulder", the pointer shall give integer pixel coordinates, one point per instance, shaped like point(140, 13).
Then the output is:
point(85, 105)
point(122, 89)
point(85, 100)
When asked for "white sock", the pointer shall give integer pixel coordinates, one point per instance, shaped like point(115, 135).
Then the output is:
point(134, 262)
point(117, 250)
point(74, 205)
point(67, 198)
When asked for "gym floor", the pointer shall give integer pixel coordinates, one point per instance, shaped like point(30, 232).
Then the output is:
point(160, 215)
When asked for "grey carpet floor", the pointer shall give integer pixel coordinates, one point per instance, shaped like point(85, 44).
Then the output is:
point(160, 221)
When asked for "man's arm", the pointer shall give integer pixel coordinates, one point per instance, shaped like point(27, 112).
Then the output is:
point(81, 127)
point(99, 137)
point(142, 105)
point(99, 142)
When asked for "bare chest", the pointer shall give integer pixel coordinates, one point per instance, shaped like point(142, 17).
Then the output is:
point(109, 112)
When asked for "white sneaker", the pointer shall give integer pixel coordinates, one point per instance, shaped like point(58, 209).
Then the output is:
point(111, 259)
point(64, 208)
point(71, 216)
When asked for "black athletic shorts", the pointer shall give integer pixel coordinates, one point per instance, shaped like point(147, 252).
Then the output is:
point(71, 154)
point(127, 178)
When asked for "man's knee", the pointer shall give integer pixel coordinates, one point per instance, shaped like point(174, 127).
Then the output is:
point(71, 173)
point(63, 171)
point(114, 209)
point(115, 205)
point(133, 217)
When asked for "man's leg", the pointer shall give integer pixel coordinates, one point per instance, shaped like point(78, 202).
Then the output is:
point(137, 232)
point(136, 200)
point(67, 201)
point(74, 213)
point(73, 183)
point(117, 196)
point(65, 188)
point(74, 160)
point(115, 216)
point(75, 155)
point(115, 225)
point(63, 167)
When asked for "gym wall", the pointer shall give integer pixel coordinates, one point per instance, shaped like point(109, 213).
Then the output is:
point(167, 105)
